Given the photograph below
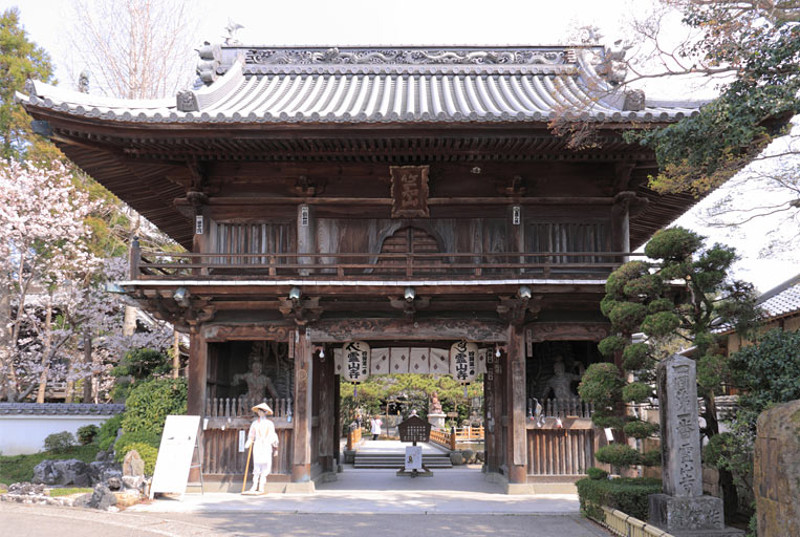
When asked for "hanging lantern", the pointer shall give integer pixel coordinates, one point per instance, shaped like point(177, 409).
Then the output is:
point(356, 361)
point(464, 362)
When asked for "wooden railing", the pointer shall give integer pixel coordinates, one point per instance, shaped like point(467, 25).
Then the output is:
point(240, 407)
point(627, 526)
point(353, 438)
point(443, 438)
point(170, 265)
point(561, 408)
point(451, 438)
point(564, 452)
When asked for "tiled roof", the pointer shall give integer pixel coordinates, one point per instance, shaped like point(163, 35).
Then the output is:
point(252, 85)
point(782, 300)
point(51, 409)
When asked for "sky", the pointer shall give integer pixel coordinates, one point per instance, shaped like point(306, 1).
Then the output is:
point(441, 22)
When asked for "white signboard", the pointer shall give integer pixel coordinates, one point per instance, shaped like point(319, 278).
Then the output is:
point(175, 454)
point(413, 458)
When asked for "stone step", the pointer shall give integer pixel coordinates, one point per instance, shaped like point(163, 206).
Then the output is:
point(396, 460)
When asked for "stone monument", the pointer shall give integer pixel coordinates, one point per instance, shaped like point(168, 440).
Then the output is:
point(436, 415)
point(777, 470)
point(682, 510)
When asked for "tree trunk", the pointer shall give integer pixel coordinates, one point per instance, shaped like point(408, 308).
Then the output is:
point(6, 356)
point(87, 359)
point(48, 319)
point(129, 322)
point(176, 353)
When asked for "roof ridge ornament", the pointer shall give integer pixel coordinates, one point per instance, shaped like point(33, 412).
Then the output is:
point(408, 56)
point(232, 28)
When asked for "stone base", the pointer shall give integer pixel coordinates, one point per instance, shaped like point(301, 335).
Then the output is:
point(437, 420)
point(690, 516)
point(415, 473)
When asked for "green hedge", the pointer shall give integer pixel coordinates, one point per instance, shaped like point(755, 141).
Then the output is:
point(108, 432)
point(148, 453)
point(629, 495)
point(149, 404)
point(142, 437)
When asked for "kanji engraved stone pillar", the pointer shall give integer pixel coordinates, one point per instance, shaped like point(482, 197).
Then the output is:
point(682, 510)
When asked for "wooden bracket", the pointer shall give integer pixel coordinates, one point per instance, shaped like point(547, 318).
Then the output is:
point(302, 311)
point(410, 307)
point(514, 310)
point(513, 187)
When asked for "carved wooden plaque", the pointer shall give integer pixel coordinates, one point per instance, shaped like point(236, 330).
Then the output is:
point(409, 191)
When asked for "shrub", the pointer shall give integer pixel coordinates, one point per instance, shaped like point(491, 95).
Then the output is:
point(629, 495)
point(638, 392)
point(59, 442)
point(635, 356)
point(610, 421)
point(596, 473)
point(660, 324)
point(140, 437)
point(108, 432)
point(148, 453)
point(640, 429)
point(651, 458)
point(87, 434)
point(151, 402)
point(627, 316)
point(612, 344)
point(618, 455)
point(601, 385)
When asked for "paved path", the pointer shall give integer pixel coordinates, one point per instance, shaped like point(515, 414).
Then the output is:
point(45, 521)
point(377, 503)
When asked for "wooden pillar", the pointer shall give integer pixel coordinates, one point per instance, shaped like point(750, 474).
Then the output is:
point(198, 374)
point(305, 235)
point(492, 416)
point(326, 413)
point(620, 223)
point(337, 411)
point(303, 369)
point(201, 241)
point(515, 392)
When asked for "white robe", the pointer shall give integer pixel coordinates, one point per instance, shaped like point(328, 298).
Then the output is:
point(263, 437)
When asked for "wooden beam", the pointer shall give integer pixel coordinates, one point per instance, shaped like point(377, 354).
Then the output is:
point(247, 332)
point(259, 201)
point(339, 331)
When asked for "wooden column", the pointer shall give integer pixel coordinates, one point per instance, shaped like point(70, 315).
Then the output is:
point(492, 417)
point(305, 235)
point(620, 223)
point(303, 369)
point(326, 413)
point(515, 392)
point(201, 242)
point(198, 374)
point(337, 424)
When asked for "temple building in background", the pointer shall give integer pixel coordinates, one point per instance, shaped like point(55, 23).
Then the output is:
point(360, 211)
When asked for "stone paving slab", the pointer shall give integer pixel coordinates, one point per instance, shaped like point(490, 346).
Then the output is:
point(451, 491)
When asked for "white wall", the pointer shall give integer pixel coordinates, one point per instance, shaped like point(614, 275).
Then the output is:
point(25, 434)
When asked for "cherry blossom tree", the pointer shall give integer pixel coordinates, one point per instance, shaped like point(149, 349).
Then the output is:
point(42, 251)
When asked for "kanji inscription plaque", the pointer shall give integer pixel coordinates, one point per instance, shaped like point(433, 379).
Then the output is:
point(409, 191)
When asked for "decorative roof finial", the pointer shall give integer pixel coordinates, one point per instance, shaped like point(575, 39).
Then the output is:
point(83, 81)
point(232, 28)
